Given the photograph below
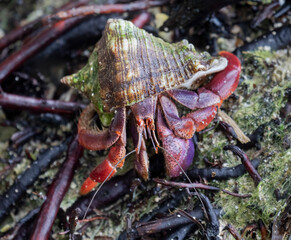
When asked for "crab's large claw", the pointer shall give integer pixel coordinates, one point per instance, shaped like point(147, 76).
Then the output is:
point(94, 139)
point(177, 151)
point(205, 102)
point(225, 82)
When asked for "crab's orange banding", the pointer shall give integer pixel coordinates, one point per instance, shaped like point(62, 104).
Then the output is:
point(98, 175)
point(87, 186)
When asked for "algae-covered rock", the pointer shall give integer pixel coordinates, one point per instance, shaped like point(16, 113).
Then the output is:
point(266, 80)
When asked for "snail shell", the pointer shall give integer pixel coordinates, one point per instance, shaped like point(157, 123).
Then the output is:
point(129, 65)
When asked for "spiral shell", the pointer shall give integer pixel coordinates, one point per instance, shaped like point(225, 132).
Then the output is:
point(129, 65)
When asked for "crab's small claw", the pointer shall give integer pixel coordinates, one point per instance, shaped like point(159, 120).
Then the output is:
point(177, 151)
point(141, 162)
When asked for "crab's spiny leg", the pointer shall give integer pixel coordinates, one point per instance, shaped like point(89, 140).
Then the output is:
point(202, 117)
point(203, 98)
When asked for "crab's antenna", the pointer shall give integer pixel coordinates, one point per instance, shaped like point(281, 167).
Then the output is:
point(151, 137)
point(186, 175)
point(100, 186)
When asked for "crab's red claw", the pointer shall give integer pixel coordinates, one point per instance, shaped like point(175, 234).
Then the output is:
point(177, 152)
point(225, 82)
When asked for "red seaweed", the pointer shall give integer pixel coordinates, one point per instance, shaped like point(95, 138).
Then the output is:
point(56, 192)
point(198, 186)
point(13, 101)
point(246, 162)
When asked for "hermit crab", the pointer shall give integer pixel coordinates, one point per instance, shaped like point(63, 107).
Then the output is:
point(133, 73)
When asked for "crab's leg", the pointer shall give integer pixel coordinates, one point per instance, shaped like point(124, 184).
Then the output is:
point(97, 140)
point(141, 163)
point(183, 128)
point(192, 100)
point(178, 151)
point(106, 169)
point(144, 113)
point(207, 99)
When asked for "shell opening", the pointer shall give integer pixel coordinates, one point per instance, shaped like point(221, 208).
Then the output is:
point(217, 65)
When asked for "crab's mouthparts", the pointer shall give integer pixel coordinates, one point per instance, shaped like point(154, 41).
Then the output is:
point(147, 130)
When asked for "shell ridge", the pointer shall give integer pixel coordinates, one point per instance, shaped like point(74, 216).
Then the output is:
point(127, 84)
point(178, 58)
point(140, 37)
point(122, 64)
point(149, 83)
point(156, 79)
point(141, 63)
point(175, 73)
point(164, 78)
point(129, 59)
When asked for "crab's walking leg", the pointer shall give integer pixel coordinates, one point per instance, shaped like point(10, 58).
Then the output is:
point(183, 128)
point(95, 139)
point(92, 138)
point(206, 100)
point(144, 113)
point(177, 150)
point(141, 163)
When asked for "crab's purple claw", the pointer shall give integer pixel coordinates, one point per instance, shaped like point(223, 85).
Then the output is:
point(177, 152)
